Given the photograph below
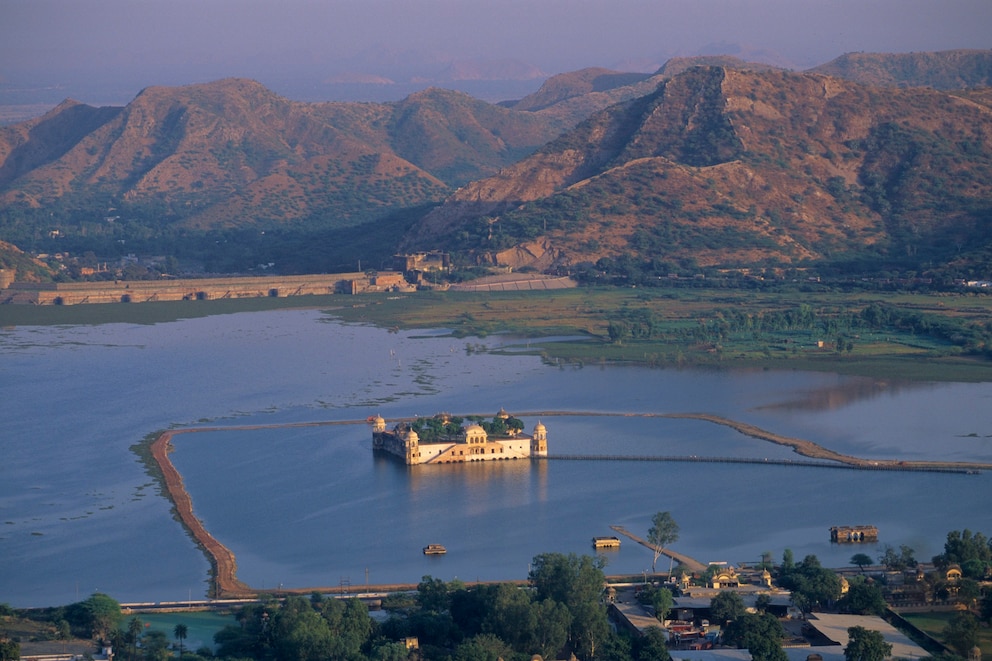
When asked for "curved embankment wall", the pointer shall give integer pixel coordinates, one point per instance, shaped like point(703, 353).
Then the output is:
point(223, 564)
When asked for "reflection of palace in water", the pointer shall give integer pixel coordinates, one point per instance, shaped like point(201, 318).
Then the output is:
point(470, 443)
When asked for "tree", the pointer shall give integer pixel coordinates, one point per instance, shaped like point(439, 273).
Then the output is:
point(432, 595)
point(897, 561)
point(155, 646)
point(133, 636)
point(98, 615)
point(985, 608)
point(961, 633)
point(663, 531)
point(863, 598)
point(861, 560)
point(812, 585)
point(484, 647)
point(726, 607)
point(660, 599)
point(761, 634)
point(511, 616)
point(866, 645)
point(300, 633)
point(576, 582)
point(390, 652)
point(567, 578)
point(10, 650)
point(180, 631)
point(63, 632)
point(651, 646)
point(551, 633)
point(962, 546)
point(788, 561)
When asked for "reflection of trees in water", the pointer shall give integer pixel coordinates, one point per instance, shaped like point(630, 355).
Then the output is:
point(845, 392)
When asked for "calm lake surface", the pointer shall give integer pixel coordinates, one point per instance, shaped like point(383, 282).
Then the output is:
point(311, 506)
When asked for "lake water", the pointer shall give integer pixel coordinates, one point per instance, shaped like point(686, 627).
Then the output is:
point(311, 506)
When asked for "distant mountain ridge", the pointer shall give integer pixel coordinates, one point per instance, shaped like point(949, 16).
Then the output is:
point(731, 169)
point(709, 162)
point(232, 152)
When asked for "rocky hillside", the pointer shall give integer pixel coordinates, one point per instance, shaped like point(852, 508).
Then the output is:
point(574, 96)
point(709, 162)
point(233, 153)
point(24, 267)
point(735, 169)
point(945, 70)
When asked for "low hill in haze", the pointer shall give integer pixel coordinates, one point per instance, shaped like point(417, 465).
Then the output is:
point(944, 70)
point(177, 163)
point(726, 168)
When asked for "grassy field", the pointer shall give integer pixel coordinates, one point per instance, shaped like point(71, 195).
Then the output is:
point(660, 327)
point(934, 624)
point(582, 317)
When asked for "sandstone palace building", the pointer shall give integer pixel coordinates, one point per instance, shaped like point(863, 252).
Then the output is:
point(447, 440)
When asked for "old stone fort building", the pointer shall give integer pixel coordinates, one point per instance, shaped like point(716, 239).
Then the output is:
point(469, 443)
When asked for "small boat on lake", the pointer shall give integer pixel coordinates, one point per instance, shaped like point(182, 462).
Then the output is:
point(434, 549)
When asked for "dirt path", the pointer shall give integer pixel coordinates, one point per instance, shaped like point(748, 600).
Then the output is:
point(811, 449)
point(223, 564)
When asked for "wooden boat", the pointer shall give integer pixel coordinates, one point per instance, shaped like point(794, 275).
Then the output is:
point(434, 549)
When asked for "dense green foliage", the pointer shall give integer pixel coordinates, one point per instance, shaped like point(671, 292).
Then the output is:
point(971, 551)
point(443, 427)
point(96, 616)
point(866, 645)
point(10, 650)
point(317, 245)
point(812, 584)
point(659, 599)
point(961, 633)
point(863, 597)
point(771, 326)
point(760, 634)
point(726, 607)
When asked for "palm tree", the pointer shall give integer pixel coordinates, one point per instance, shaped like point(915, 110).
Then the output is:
point(133, 635)
point(180, 633)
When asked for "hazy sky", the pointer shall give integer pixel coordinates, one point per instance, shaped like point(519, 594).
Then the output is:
point(148, 42)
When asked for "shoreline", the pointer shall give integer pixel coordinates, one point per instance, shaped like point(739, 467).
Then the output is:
point(225, 583)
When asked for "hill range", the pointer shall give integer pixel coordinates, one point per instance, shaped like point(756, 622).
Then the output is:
point(710, 163)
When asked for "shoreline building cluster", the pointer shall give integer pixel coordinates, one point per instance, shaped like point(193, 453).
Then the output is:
point(467, 443)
